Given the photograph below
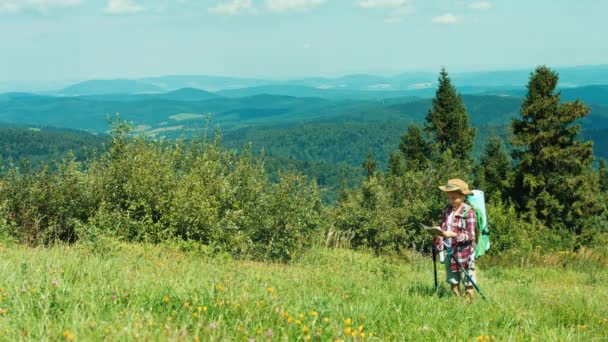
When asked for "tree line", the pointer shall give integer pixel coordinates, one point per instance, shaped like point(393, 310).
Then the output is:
point(545, 192)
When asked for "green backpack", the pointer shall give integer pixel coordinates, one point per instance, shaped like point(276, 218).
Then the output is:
point(482, 231)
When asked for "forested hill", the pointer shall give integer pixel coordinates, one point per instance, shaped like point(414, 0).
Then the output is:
point(45, 144)
point(326, 139)
point(184, 112)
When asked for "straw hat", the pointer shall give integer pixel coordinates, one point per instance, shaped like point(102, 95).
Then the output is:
point(456, 185)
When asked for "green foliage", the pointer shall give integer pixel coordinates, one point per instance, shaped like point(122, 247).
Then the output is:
point(509, 231)
point(553, 167)
point(396, 165)
point(385, 215)
point(416, 150)
point(43, 145)
point(44, 205)
point(370, 165)
point(8, 231)
point(153, 191)
point(448, 122)
point(493, 173)
point(603, 174)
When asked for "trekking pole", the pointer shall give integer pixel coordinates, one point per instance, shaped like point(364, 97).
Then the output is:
point(435, 266)
point(451, 252)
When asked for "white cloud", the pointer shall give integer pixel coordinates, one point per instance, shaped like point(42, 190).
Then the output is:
point(123, 7)
point(383, 3)
point(397, 8)
point(480, 5)
point(307, 45)
point(233, 7)
point(447, 19)
point(293, 5)
point(15, 6)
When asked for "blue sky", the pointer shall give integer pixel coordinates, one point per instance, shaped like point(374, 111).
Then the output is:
point(84, 39)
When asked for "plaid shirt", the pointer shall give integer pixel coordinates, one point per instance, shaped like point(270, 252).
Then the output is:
point(463, 244)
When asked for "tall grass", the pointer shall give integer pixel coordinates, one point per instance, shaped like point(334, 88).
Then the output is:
point(144, 292)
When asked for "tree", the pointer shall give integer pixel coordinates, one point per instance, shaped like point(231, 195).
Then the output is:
point(603, 176)
point(551, 182)
point(448, 122)
point(494, 170)
point(415, 149)
point(395, 165)
point(370, 165)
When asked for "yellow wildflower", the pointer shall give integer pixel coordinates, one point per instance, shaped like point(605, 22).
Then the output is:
point(314, 314)
point(305, 330)
point(165, 299)
point(68, 335)
point(348, 322)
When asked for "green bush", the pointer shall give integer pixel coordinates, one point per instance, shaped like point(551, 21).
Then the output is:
point(152, 191)
point(385, 215)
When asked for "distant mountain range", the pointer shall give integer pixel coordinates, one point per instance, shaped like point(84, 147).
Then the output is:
point(354, 113)
point(420, 84)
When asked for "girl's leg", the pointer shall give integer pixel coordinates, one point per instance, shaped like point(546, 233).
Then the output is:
point(469, 291)
point(455, 289)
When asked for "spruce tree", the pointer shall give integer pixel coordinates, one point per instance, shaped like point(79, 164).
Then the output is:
point(370, 165)
point(448, 122)
point(415, 150)
point(395, 165)
point(552, 164)
point(494, 170)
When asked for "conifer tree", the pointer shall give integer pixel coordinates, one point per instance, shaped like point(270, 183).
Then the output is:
point(370, 165)
point(494, 170)
point(448, 122)
point(415, 150)
point(395, 165)
point(552, 164)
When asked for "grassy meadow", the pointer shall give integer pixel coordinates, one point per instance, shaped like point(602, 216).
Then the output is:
point(155, 293)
